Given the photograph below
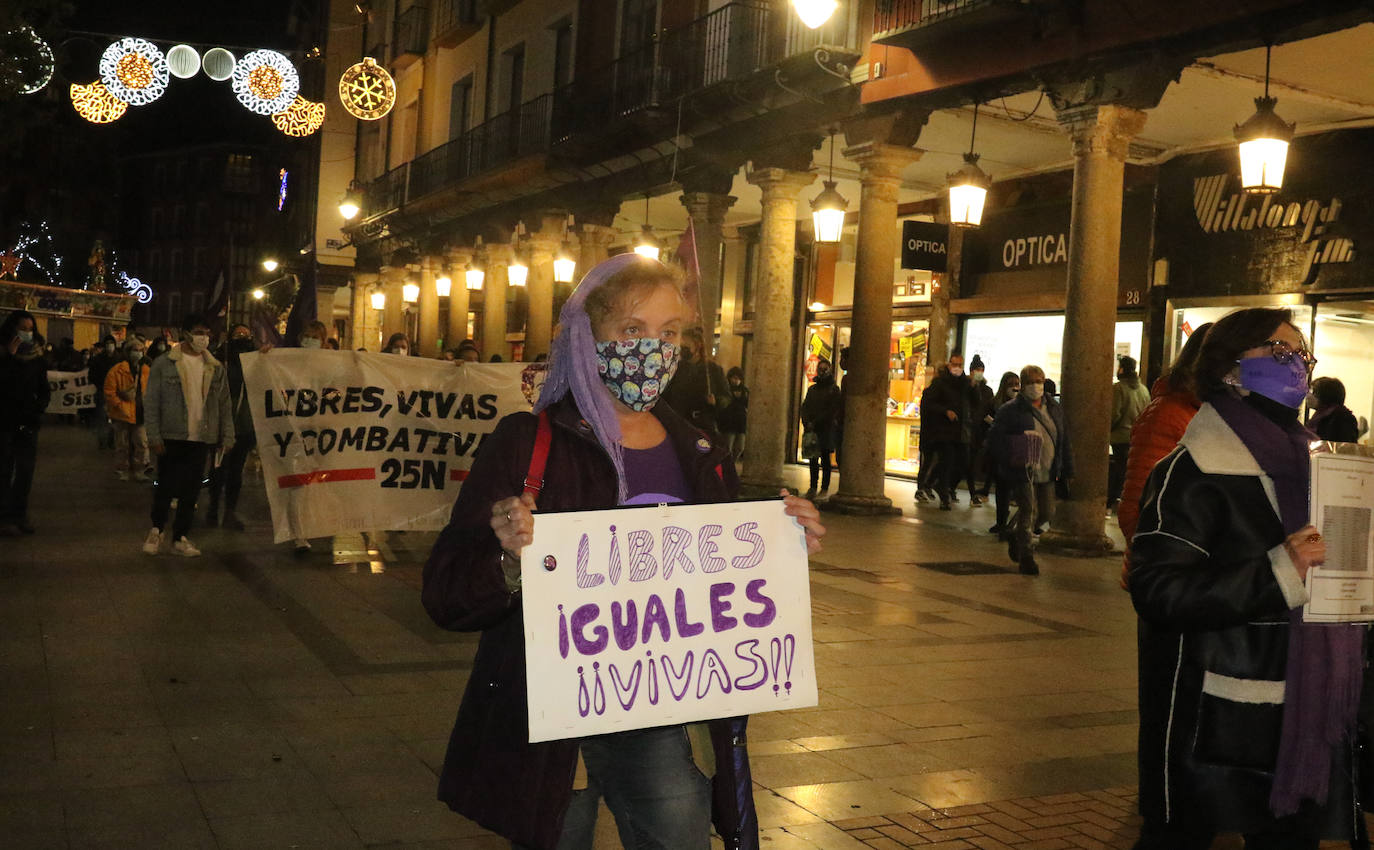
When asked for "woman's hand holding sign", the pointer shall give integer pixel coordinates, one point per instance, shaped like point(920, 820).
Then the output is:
point(808, 516)
point(513, 521)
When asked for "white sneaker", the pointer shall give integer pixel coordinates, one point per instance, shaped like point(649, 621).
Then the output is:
point(152, 542)
point(185, 548)
point(122, 475)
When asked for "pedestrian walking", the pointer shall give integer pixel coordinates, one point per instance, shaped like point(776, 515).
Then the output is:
point(187, 413)
point(981, 412)
point(1331, 419)
point(1156, 432)
point(945, 413)
point(226, 479)
point(1129, 398)
point(734, 418)
point(100, 364)
point(1032, 443)
point(1247, 712)
point(124, 390)
point(819, 409)
point(608, 444)
point(1007, 390)
point(24, 396)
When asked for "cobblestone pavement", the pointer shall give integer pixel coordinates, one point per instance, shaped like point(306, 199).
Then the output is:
point(249, 698)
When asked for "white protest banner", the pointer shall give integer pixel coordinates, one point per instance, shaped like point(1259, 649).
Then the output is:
point(640, 617)
point(352, 441)
point(71, 391)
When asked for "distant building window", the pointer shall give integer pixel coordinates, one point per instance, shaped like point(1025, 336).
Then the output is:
point(174, 315)
point(197, 302)
point(459, 107)
point(515, 76)
point(562, 54)
point(238, 173)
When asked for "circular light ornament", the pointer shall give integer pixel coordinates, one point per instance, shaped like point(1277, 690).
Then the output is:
point(134, 71)
point(218, 64)
point(183, 61)
point(367, 90)
point(266, 82)
point(95, 103)
point(301, 118)
point(29, 65)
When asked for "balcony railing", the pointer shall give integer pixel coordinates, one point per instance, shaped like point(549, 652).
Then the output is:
point(411, 35)
point(454, 21)
point(387, 192)
point(519, 132)
point(904, 21)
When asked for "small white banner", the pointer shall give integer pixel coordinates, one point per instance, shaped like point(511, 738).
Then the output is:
point(352, 441)
point(649, 616)
point(71, 391)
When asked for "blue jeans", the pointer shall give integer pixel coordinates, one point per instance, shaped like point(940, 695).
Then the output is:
point(660, 799)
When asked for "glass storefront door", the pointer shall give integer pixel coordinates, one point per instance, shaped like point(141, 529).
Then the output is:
point(1006, 343)
point(1342, 339)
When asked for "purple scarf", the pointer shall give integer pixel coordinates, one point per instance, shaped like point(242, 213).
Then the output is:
point(573, 367)
point(1325, 662)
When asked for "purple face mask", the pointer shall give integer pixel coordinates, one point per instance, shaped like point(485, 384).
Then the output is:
point(636, 371)
point(1285, 383)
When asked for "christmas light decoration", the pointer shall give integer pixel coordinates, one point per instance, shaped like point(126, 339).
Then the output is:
point(137, 288)
point(95, 103)
point(134, 71)
point(183, 61)
point(266, 82)
point(26, 61)
point(301, 118)
point(218, 64)
point(367, 90)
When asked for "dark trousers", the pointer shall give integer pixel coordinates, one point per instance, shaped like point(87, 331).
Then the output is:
point(1034, 505)
point(929, 466)
point(1005, 493)
point(952, 459)
point(180, 470)
point(1116, 472)
point(1295, 834)
point(18, 456)
point(227, 479)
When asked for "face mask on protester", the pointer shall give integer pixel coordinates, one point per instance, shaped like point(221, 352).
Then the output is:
point(956, 371)
point(26, 337)
point(1285, 383)
point(135, 356)
point(310, 342)
point(636, 371)
point(199, 342)
point(1034, 392)
point(977, 376)
point(401, 350)
point(109, 348)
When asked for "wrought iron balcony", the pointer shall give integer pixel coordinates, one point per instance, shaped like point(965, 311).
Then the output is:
point(411, 36)
point(916, 24)
point(506, 137)
point(454, 21)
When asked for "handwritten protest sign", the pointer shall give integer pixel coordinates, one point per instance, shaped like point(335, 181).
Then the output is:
point(71, 391)
point(352, 441)
point(641, 617)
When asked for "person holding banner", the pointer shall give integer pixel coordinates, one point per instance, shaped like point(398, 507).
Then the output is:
point(187, 412)
point(226, 479)
point(601, 441)
point(24, 395)
point(123, 390)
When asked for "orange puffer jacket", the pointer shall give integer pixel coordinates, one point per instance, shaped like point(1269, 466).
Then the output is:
point(119, 380)
point(1155, 433)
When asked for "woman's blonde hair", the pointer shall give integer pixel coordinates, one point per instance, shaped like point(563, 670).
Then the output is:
point(631, 285)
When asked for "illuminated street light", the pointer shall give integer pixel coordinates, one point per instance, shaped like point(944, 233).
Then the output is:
point(815, 13)
point(258, 295)
point(270, 264)
point(443, 285)
point(379, 300)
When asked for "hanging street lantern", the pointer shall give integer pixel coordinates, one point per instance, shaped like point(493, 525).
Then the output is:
point(564, 267)
point(1263, 141)
point(968, 187)
point(815, 13)
point(379, 300)
point(474, 277)
point(517, 272)
point(443, 285)
point(410, 293)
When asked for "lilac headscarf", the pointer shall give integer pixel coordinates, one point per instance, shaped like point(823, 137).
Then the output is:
point(572, 363)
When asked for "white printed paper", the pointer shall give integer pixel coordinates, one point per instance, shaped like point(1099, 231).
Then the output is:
point(1342, 589)
point(641, 617)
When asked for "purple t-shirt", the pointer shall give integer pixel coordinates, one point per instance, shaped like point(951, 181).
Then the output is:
point(654, 476)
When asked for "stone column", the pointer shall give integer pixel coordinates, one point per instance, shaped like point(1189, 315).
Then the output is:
point(945, 288)
point(459, 299)
point(1101, 135)
point(770, 357)
point(497, 256)
point(707, 211)
point(864, 477)
point(595, 242)
point(428, 343)
point(731, 350)
point(365, 325)
point(543, 247)
point(393, 317)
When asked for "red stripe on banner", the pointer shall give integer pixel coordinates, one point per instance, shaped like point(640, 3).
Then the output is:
point(323, 476)
point(457, 474)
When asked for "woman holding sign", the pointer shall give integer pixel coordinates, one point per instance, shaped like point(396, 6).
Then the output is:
point(1247, 713)
point(606, 443)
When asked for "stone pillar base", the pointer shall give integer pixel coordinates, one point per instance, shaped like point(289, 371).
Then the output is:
point(1077, 545)
point(854, 504)
point(754, 489)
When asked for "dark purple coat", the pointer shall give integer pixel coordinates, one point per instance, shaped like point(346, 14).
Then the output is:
point(491, 773)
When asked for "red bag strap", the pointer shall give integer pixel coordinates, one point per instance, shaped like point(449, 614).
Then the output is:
point(543, 436)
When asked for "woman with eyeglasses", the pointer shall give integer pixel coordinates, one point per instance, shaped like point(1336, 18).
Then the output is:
point(1247, 713)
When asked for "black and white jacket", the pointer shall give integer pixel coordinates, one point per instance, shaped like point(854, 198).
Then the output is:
point(1213, 585)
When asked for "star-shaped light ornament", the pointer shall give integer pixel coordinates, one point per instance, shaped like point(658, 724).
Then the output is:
point(367, 90)
point(266, 82)
point(134, 71)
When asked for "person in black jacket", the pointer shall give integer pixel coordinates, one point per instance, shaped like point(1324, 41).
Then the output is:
point(1247, 713)
point(819, 411)
point(1331, 419)
point(946, 410)
point(699, 388)
point(982, 407)
point(734, 417)
point(98, 367)
point(24, 393)
point(1031, 441)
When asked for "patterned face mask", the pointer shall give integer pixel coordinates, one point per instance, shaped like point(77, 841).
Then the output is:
point(636, 371)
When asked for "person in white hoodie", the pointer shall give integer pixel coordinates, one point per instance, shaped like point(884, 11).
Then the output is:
point(186, 413)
